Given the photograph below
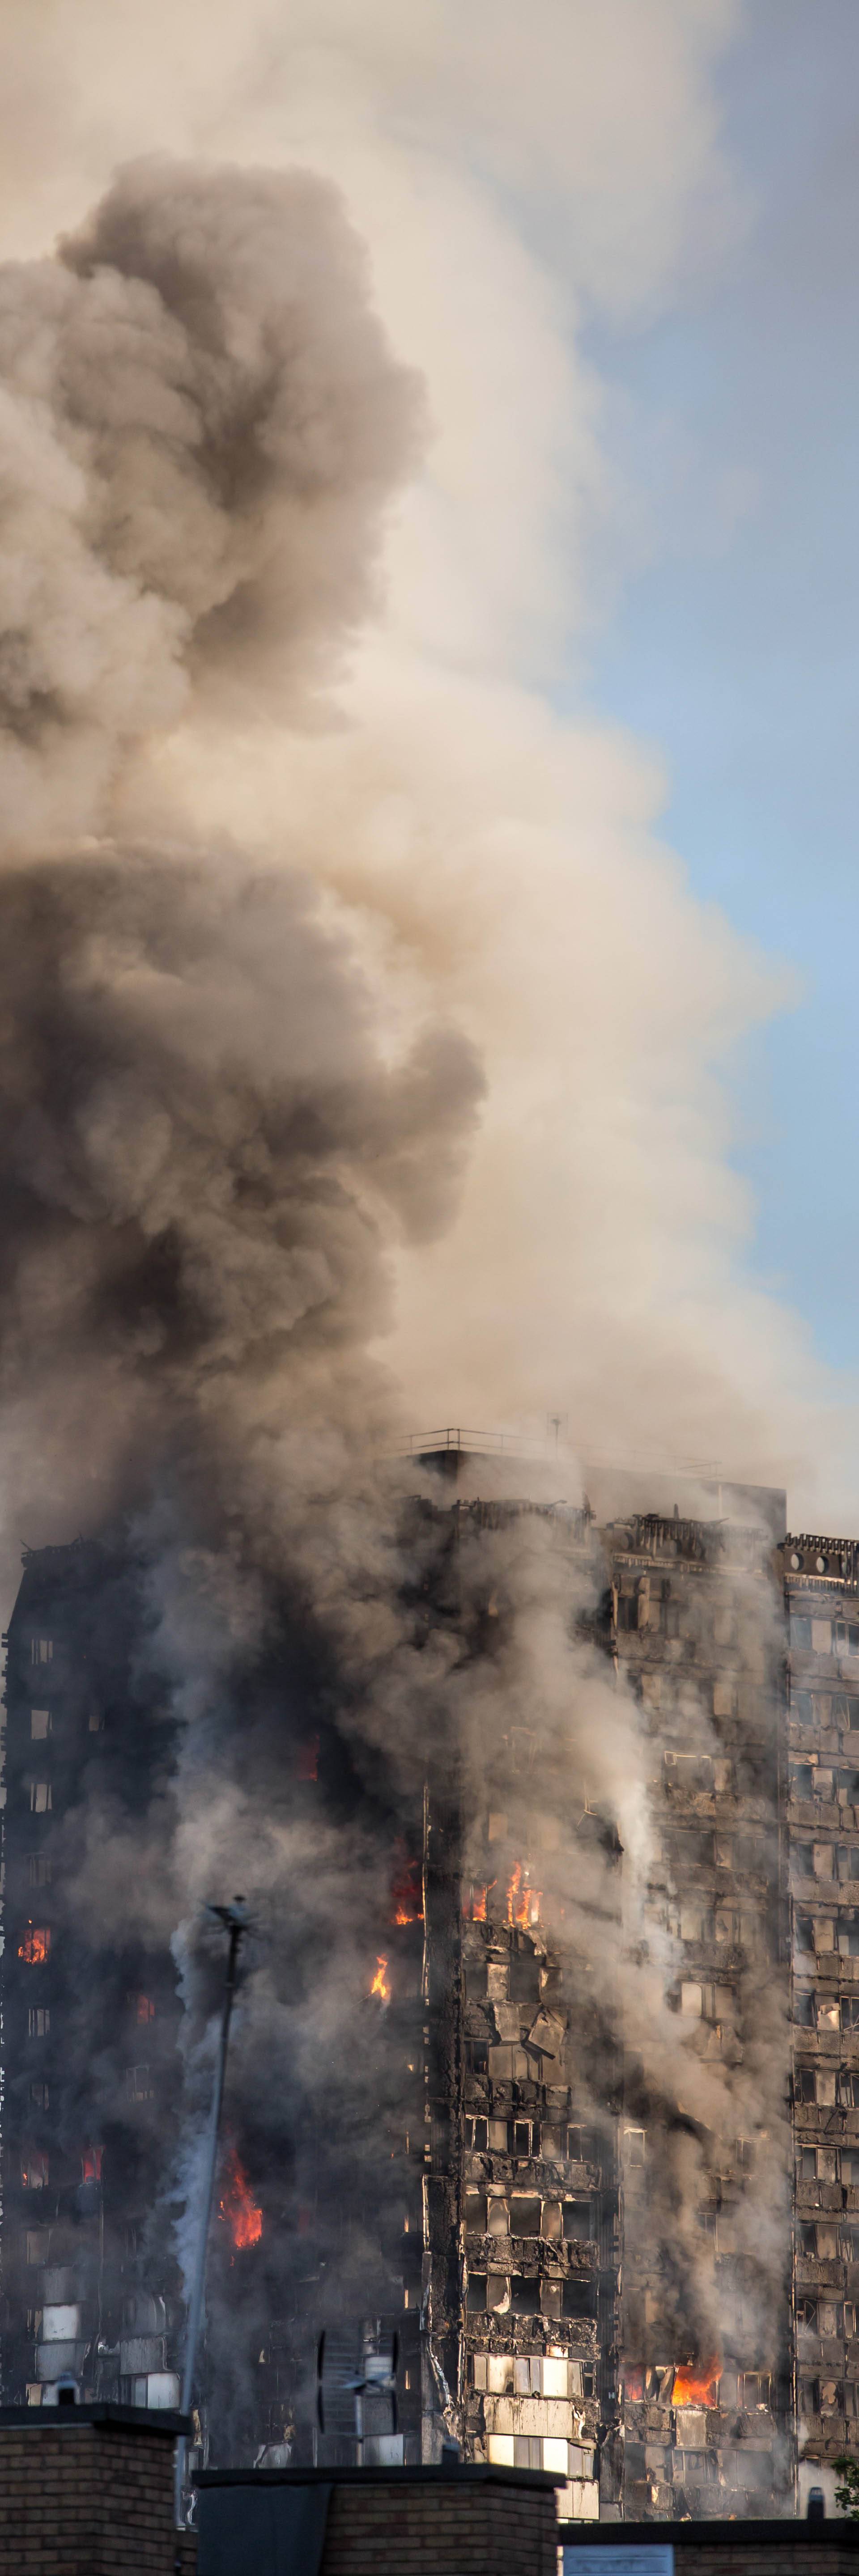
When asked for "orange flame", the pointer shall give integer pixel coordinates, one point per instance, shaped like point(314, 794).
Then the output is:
point(696, 2384)
point(406, 1901)
point(91, 2163)
point(479, 1896)
point(379, 1986)
point(238, 2206)
point(523, 1903)
point(34, 1944)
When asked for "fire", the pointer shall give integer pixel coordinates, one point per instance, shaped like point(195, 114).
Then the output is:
point(696, 2384)
point(34, 1944)
point(380, 1986)
point(523, 1902)
point(91, 2163)
point(475, 1907)
point(406, 1899)
point(238, 2205)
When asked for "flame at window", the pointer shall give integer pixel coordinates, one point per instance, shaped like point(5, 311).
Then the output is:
point(34, 1944)
point(91, 2163)
point(237, 2206)
point(406, 1893)
point(696, 2383)
point(523, 1901)
point(380, 1985)
point(475, 1910)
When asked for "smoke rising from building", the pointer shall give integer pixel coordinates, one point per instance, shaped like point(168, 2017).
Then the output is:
point(239, 1073)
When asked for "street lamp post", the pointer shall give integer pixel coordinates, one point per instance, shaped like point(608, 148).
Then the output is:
point(235, 1921)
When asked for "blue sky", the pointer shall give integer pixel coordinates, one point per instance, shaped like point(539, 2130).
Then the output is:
point(735, 420)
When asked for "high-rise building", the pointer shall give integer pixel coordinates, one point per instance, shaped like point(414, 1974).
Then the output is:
point(608, 2205)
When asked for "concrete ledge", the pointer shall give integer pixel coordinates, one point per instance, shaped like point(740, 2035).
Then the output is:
point(62, 2419)
point(472, 2473)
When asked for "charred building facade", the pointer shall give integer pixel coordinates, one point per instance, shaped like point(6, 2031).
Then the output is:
point(609, 2222)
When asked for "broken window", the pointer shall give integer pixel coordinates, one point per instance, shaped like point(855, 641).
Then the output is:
point(850, 2166)
point(519, 2137)
point(806, 2313)
point(848, 1860)
point(809, 2396)
point(138, 2084)
point(578, 2299)
point(40, 1724)
point(524, 1977)
point(141, 2006)
point(524, 2295)
point(803, 1858)
point(41, 1650)
point(474, 2211)
point(846, 1637)
point(39, 2021)
point(808, 2163)
point(848, 2092)
point(39, 1869)
point(577, 2220)
point(800, 1631)
point(847, 1935)
point(524, 2214)
point(34, 1944)
point(477, 2135)
point(850, 2012)
point(40, 1797)
point(91, 2164)
point(634, 2146)
point(754, 2390)
point(849, 2240)
point(34, 2169)
point(806, 2236)
point(476, 2291)
point(805, 2082)
point(477, 2056)
point(804, 1929)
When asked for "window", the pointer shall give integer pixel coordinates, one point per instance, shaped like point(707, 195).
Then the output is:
point(724, 1851)
point(808, 2164)
point(40, 1797)
point(803, 1859)
point(39, 2021)
point(477, 2056)
point(850, 2166)
point(476, 2294)
point(138, 2084)
point(34, 2170)
point(802, 1780)
point(848, 2092)
point(35, 1944)
point(519, 2138)
point(527, 2451)
point(524, 2214)
point(39, 1869)
point(39, 2095)
point(524, 2296)
point(577, 2220)
point(477, 2135)
point(806, 2236)
point(850, 2012)
point(41, 1650)
point(803, 2011)
point(41, 1724)
point(754, 2390)
point(846, 1637)
point(800, 1631)
point(96, 1721)
point(806, 2314)
point(804, 1929)
point(849, 2320)
point(635, 2146)
point(91, 2164)
point(848, 1935)
point(142, 2006)
point(805, 2084)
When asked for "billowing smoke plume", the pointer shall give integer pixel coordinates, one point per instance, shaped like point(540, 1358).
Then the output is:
point(200, 425)
point(215, 1136)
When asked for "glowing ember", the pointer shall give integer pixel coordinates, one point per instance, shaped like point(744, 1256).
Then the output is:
point(523, 1902)
point(406, 1897)
point(696, 2384)
point(238, 2207)
point(380, 1986)
point(34, 1944)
